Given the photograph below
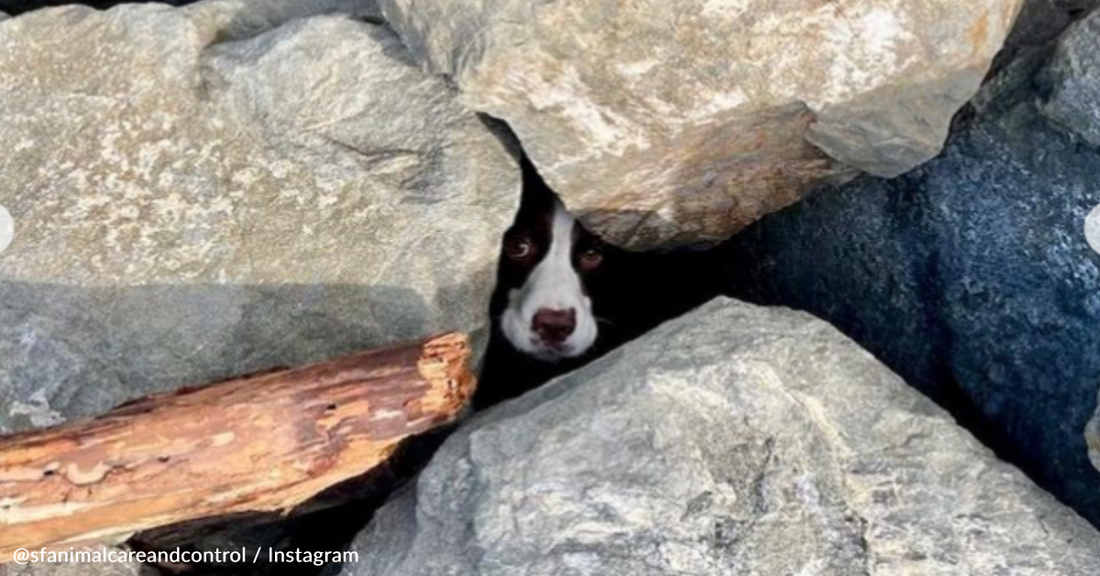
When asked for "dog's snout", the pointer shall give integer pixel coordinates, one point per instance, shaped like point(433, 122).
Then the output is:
point(554, 326)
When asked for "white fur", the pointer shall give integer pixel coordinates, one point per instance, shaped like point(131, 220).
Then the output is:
point(555, 285)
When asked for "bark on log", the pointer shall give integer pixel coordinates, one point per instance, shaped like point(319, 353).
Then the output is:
point(259, 443)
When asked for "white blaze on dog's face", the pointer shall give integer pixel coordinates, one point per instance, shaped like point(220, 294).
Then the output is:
point(548, 314)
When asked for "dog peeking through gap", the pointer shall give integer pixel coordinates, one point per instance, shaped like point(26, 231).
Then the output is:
point(565, 297)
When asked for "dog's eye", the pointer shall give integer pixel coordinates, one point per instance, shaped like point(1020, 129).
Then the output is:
point(519, 248)
point(591, 258)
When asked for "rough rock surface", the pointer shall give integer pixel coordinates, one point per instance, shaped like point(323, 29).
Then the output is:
point(671, 122)
point(736, 440)
point(1075, 78)
point(970, 276)
point(192, 202)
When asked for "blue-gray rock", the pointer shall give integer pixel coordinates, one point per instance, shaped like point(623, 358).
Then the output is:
point(736, 440)
point(1074, 77)
point(970, 276)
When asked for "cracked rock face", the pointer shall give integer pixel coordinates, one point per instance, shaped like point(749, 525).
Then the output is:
point(196, 197)
point(673, 122)
point(736, 440)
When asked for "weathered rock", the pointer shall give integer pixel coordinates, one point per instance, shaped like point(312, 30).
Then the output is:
point(1075, 78)
point(670, 122)
point(189, 207)
point(737, 440)
point(970, 276)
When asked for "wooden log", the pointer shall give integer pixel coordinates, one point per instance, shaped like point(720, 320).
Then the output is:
point(259, 443)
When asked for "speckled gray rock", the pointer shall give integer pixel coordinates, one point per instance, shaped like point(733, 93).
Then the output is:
point(189, 207)
point(671, 122)
point(970, 276)
point(1075, 78)
point(736, 440)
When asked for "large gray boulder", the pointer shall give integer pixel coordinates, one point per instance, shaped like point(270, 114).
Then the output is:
point(672, 122)
point(191, 203)
point(736, 440)
point(970, 276)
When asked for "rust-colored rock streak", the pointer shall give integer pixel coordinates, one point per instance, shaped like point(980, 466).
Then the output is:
point(259, 443)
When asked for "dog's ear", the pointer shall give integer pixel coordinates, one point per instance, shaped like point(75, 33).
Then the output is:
point(537, 196)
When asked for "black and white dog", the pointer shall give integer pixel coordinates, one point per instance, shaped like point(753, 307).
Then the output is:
point(564, 297)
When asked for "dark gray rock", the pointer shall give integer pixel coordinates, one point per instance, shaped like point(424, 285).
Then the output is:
point(970, 276)
point(1074, 77)
point(1042, 21)
point(735, 440)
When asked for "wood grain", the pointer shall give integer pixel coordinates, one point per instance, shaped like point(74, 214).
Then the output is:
point(259, 443)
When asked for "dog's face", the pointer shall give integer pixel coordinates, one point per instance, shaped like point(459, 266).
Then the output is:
point(547, 265)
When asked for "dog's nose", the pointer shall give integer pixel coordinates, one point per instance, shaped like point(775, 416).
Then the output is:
point(554, 326)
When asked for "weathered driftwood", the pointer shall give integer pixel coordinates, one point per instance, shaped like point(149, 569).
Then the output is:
point(258, 443)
